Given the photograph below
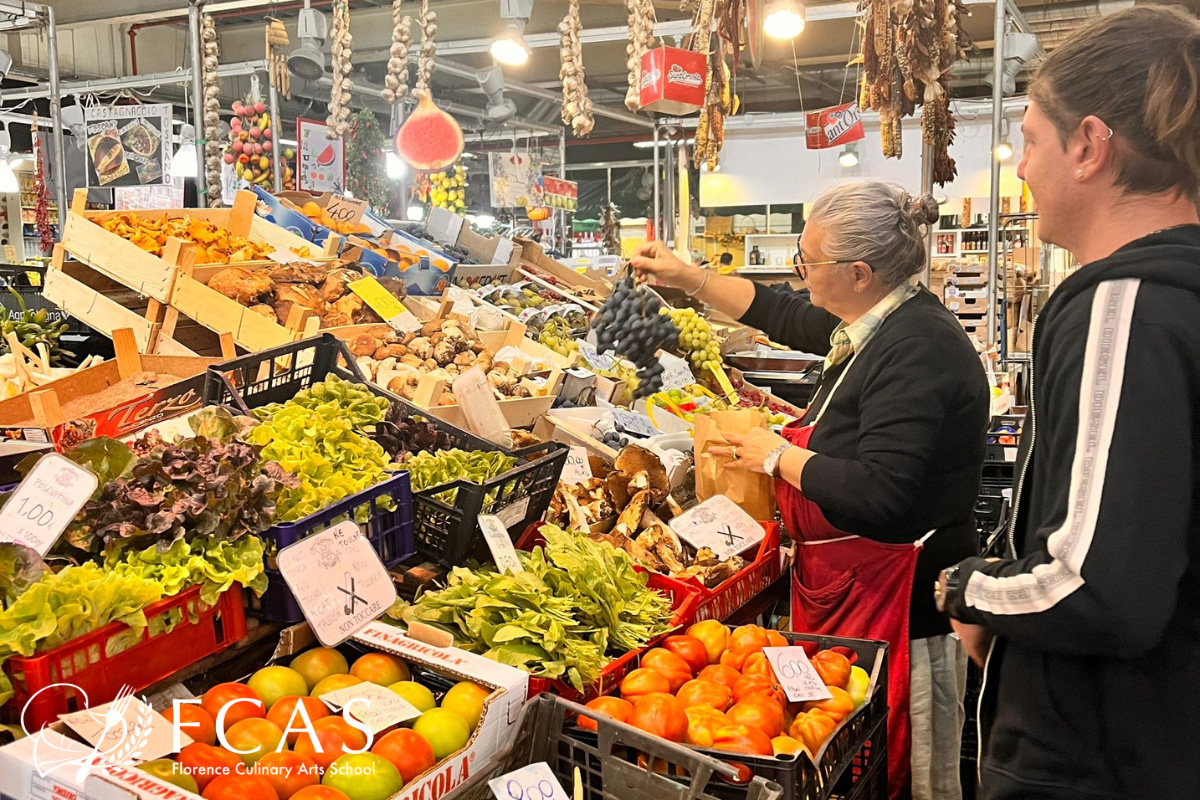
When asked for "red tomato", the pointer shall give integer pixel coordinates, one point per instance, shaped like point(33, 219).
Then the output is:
point(240, 787)
point(642, 682)
point(758, 711)
point(834, 668)
point(613, 707)
point(700, 692)
point(757, 664)
point(205, 762)
point(239, 699)
point(812, 728)
point(672, 667)
point(719, 673)
point(287, 772)
point(756, 684)
point(714, 635)
point(407, 751)
point(319, 793)
point(195, 722)
point(741, 739)
point(662, 715)
point(690, 649)
point(334, 737)
point(281, 714)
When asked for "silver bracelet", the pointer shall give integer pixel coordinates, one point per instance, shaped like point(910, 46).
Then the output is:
point(703, 280)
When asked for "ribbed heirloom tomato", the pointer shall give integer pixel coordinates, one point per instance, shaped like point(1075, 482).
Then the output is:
point(642, 682)
point(661, 715)
point(756, 684)
point(205, 762)
point(741, 739)
point(757, 664)
point(719, 673)
point(812, 728)
point(758, 711)
point(837, 707)
point(700, 692)
point(742, 642)
point(690, 649)
point(713, 635)
point(240, 787)
point(613, 707)
point(703, 724)
point(672, 667)
point(834, 668)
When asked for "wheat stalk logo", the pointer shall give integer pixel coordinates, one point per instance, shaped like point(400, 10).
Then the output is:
point(120, 742)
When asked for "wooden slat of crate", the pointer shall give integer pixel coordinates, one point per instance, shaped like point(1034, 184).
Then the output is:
point(220, 314)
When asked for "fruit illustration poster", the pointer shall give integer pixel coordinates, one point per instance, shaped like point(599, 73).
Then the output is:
point(128, 145)
point(321, 161)
point(515, 180)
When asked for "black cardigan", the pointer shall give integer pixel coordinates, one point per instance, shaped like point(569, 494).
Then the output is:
point(900, 447)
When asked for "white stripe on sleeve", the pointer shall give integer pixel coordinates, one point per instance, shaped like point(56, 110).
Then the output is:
point(1099, 396)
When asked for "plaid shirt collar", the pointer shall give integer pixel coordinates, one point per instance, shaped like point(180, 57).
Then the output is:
point(851, 338)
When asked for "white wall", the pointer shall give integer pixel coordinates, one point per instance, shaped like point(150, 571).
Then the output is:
point(774, 166)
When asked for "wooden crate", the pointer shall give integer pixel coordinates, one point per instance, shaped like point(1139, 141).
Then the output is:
point(87, 241)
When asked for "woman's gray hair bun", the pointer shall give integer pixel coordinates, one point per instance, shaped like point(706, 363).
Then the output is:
point(878, 223)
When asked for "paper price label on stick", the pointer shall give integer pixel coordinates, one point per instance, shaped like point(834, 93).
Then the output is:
point(377, 706)
point(577, 469)
point(385, 304)
point(43, 505)
point(796, 674)
point(338, 580)
point(634, 423)
point(346, 210)
point(676, 373)
point(594, 358)
point(495, 533)
point(532, 782)
point(115, 724)
point(719, 524)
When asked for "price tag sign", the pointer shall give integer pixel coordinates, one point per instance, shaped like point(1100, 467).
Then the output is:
point(512, 514)
point(595, 359)
point(577, 469)
point(111, 727)
point(676, 373)
point(346, 210)
point(726, 387)
point(719, 524)
point(637, 424)
point(10, 254)
point(796, 674)
point(44, 504)
point(532, 782)
point(338, 580)
point(377, 706)
point(495, 532)
point(385, 304)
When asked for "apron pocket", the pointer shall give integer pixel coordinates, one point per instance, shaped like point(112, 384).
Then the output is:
point(817, 604)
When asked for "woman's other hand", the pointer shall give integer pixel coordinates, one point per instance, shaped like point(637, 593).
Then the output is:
point(653, 259)
point(749, 450)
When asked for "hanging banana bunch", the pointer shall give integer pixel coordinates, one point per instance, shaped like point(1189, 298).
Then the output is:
point(338, 121)
point(211, 81)
point(397, 75)
point(576, 107)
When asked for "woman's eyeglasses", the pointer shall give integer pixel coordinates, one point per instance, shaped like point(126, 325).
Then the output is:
point(800, 266)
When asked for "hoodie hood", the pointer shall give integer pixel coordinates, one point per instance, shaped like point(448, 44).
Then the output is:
point(1168, 257)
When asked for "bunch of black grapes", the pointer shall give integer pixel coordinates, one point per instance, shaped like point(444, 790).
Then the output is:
point(629, 324)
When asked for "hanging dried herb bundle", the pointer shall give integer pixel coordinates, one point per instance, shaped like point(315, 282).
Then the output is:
point(41, 194)
point(576, 108)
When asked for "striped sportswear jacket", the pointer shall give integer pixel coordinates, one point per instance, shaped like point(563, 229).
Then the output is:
point(1092, 689)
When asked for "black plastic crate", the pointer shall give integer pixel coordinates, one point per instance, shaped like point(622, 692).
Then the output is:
point(28, 282)
point(446, 533)
point(619, 762)
point(857, 745)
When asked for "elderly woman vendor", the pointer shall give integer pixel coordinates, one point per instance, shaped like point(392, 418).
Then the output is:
point(878, 480)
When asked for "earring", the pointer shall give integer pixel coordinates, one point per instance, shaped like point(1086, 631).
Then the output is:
point(1079, 173)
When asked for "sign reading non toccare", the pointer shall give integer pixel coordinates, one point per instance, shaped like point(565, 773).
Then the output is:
point(338, 581)
point(43, 505)
point(720, 525)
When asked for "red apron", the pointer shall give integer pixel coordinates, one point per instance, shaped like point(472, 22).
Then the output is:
point(846, 585)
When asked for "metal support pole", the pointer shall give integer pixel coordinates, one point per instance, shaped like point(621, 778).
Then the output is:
point(562, 173)
point(276, 149)
point(994, 270)
point(669, 200)
point(654, 228)
point(194, 7)
point(927, 188)
point(60, 153)
point(608, 184)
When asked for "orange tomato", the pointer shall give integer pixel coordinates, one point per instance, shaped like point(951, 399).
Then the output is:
point(837, 707)
point(787, 746)
point(812, 728)
point(613, 707)
point(748, 639)
point(281, 714)
point(741, 739)
point(240, 700)
point(333, 737)
point(719, 673)
point(194, 721)
point(661, 715)
point(758, 711)
point(643, 681)
point(777, 639)
point(672, 667)
point(700, 692)
point(287, 772)
point(756, 684)
point(690, 649)
point(239, 787)
point(206, 763)
point(407, 751)
point(254, 737)
point(713, 635)
point(834, 668)
point(757, 664)
point(703, 724)
point(319, 793)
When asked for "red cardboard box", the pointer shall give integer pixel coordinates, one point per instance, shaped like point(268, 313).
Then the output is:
point(673, 80)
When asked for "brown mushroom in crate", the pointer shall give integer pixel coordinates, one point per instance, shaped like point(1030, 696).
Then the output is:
point(390, 351)
point(443, 352)
point(350, 307)
point(297, 272)
point(395, 286)
point(364, 344)
point(646, 471)
point(463, 359)
point(421, 347)
point(297, 294)
point(264, 310)
point(337, 284)
point(245, 286)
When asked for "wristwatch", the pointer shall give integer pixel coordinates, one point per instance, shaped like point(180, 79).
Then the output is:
point(946, 583)
point(771, 462)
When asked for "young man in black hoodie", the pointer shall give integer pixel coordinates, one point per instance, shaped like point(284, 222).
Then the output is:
point(1092, 683)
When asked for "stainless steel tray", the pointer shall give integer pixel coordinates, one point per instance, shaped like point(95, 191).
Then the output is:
point(781, 361)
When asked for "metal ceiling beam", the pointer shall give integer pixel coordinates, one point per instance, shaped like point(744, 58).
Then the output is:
point(132, 81)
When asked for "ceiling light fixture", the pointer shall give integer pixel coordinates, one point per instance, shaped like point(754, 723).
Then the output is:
point(499, 108)
point(784, 19)
point(307, 59)
point(648, 144)
point(509, 47)
point(184, 163)
point(849, 156)
point(1004, 149)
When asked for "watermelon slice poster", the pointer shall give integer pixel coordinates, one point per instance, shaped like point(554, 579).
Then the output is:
point(321, 161)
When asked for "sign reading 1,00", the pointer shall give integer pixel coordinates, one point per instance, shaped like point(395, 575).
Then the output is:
point(35, 512)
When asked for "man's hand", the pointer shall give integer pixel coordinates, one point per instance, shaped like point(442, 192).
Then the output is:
point(976, 639)
point(655, 259)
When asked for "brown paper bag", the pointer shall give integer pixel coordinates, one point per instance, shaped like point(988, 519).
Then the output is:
point(752, 491)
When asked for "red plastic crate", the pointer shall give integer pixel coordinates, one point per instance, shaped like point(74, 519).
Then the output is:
point(84, 663)
point(683, 606)
point(755, 577)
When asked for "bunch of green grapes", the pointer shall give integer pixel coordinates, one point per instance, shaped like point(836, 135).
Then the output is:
point(696, 339)
point(624, 372)
point(556, 334)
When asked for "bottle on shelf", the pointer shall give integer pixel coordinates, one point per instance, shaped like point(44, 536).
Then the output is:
point(755, 257)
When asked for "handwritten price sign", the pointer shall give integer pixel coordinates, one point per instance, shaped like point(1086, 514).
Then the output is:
point(345, 209)
point(44, 504)
point(796, 674)
point(534, 782)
